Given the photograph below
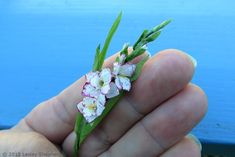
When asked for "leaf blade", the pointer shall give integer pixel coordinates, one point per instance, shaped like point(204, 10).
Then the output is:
point(108, 40)
point(77, 131)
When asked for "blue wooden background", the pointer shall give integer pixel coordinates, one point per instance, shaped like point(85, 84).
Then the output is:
point(47, 45)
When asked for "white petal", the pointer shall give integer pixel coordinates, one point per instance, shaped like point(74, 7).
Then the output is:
point(100, 109)
point(116, 68)
point(106, 76)
point(125, 83)
point(118, 83)
point(90, 118)
point(101, 99)
point(90, 106)
point(90, 91)
point(88, 100)
point(90, 75)
point(105, 89)
point(87, 112)
point(80, 107)
point(127, 70)
point(113, 91)
point(95, 82)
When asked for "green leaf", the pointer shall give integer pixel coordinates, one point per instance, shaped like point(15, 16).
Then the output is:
point(142, 36)
point(135, 53)
point(138, 69)
point(149, 36)
point(125, 49)
point(108, 40)
point(153, 37)
point(117, 59)
point(89, 127)
point(77, 130)
point(81, 137)
point(96, 60)
point(162, 25)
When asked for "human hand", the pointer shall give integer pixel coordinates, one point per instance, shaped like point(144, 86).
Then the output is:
point(151, 120)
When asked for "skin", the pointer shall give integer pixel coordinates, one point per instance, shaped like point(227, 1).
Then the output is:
point(152, 120)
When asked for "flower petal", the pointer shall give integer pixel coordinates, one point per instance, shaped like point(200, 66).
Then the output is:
point(89, 119)
point(90, 75)
point(88, 100)
point(80, 107)
point(106, 76)
point(90, 91)
point(89, 106)
point(105, 89)
point(100, 109)
point(95, 81)
point(113, 91)
point(101, 99)
point(118, 83)
point(116, 68)
point(125, 83)
point(127, 70)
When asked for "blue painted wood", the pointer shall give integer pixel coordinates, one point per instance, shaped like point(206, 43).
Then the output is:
point(47, 45)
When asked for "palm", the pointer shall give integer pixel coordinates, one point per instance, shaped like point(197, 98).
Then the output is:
point(152, 120)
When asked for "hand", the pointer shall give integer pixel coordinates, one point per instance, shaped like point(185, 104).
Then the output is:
point(152, 120)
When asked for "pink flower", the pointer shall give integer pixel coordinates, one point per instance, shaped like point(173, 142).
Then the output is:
point(91, 108)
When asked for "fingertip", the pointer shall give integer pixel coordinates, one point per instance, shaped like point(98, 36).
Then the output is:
point(201, 97)
point(195, 140)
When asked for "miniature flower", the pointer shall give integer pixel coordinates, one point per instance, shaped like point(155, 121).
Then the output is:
point(90, 91)
point(122, 74)
point(91, 108)
point(101, 81)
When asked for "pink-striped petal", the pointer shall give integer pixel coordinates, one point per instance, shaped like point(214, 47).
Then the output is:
point(80, 107)
point(105, 89)
point(127, 70)
point(100, 109)
point(90, 75)
point(90, 91)
point(95, 82)
point(101, 99)
point(113, 91)
point(118, 83)
point(125, 83)
point(105, 76)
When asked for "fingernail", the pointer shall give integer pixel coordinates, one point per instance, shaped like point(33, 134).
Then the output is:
point(194, 61)
point(196, 140)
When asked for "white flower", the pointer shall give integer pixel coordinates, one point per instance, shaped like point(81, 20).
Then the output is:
point(91, 108)
point(101, 81)
point(122, 74)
